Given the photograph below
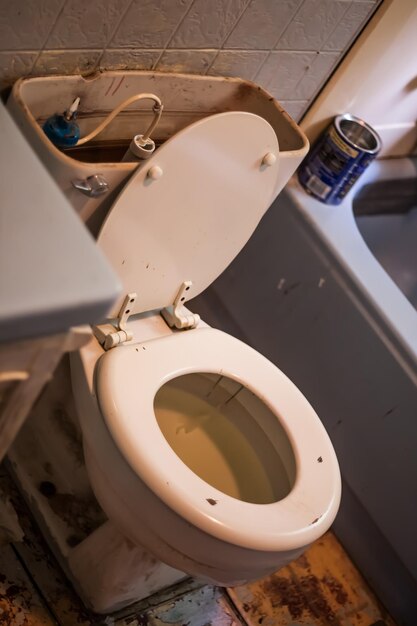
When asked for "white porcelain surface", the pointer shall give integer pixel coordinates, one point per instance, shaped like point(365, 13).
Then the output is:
point(221, 543)
point(187, 225)
point(186, 99)
point(127, 382)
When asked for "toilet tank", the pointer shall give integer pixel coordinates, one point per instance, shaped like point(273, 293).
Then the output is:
point(186, 99)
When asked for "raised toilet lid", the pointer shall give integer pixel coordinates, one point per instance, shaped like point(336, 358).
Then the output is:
point(191, 222)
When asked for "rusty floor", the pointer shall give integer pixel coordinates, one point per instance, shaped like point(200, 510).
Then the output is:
point(321, 588)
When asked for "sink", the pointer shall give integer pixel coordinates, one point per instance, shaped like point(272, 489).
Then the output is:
point(386, 216)
point(373, 235)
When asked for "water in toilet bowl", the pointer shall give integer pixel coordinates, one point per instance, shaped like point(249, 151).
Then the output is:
point(214, 434)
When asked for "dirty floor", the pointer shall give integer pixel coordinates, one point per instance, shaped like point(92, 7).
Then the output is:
point(321, 588)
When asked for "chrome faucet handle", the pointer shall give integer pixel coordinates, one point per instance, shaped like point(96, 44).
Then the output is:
point(92, 186)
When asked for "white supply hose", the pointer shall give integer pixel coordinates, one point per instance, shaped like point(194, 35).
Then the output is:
point(157, 109)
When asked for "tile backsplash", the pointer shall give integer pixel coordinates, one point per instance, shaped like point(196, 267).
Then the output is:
point(290, 47)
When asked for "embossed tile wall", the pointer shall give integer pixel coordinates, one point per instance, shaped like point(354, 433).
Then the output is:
point(290, 47)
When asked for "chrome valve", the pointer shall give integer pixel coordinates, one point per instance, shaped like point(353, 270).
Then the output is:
point(92, 186)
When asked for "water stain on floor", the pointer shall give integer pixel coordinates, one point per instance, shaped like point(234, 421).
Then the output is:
point(320, 588)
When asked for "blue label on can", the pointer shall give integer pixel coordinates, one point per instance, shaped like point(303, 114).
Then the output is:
point(332, 167)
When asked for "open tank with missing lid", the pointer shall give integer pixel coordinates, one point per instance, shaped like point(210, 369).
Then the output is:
point(227, 436)
point(185, 99)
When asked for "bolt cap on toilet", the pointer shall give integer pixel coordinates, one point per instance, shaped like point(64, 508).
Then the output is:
point(155, 172)
point(269, 159)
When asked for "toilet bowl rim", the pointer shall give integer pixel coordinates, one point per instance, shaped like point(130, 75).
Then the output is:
point(296, 520)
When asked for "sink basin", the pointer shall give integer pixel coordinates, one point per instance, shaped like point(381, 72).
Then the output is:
point(373, 235)
point(386, 216)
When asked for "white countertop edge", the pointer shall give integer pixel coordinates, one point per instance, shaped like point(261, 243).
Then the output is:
point(337, 228)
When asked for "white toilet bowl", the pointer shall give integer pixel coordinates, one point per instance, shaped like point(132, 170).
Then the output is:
point(198, 448)
point(153, 496)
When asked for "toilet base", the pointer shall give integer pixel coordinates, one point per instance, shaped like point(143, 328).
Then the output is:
point(107, 570)
point(112, 573)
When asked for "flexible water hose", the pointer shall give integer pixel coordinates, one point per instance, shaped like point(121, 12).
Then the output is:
point(157, 109)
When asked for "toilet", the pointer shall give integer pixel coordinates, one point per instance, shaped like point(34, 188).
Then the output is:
point(198, 448)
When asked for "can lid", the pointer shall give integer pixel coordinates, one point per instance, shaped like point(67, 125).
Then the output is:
point(358, 133)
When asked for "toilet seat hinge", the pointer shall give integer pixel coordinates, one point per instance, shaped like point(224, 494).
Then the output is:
point(176, 315)
point(112, 335)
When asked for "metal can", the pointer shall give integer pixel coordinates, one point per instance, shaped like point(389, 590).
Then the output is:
point(338, 158)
